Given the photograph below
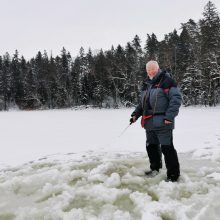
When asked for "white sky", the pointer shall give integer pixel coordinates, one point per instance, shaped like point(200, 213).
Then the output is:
point(33, 25)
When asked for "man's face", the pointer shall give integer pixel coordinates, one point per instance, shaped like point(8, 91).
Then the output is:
point(152, 70)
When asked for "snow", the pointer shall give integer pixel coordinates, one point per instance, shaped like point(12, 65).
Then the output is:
point(73, 165)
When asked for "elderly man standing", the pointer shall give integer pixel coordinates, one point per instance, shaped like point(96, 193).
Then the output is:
point(159, 105)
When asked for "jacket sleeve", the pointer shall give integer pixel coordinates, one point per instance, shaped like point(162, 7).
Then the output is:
point(175, 99)
point(138, 110)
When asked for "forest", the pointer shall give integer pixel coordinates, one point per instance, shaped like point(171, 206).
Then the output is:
point(113, 78)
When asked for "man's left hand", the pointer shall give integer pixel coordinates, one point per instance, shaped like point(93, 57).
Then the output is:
point(167, 122)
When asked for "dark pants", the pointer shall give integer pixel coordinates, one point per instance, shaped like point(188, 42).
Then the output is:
point(159, 142)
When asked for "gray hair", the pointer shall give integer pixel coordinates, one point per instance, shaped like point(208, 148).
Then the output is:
point(152, 62)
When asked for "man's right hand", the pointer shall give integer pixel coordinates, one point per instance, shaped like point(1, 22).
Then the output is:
point(133, 119)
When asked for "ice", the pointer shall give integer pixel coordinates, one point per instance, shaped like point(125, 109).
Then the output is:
point(68, 188)
point(113, 180)
point(72, 165)
point(215, 176)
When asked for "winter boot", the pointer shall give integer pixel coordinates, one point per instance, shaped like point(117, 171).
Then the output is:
point(151, 173)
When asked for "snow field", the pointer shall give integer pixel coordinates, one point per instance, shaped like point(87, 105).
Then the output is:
point(87, 172)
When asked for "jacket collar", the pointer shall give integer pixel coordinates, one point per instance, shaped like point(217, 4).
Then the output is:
point(156, 78)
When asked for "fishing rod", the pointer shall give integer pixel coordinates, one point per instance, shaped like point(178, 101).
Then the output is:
point(124, 130)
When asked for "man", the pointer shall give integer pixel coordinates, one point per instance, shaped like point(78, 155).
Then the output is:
point(159, 105)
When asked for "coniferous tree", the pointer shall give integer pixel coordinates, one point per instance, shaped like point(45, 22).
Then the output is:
point(132, 68)
point(163, 57)
point(8, 80)
point(194, 33)
point(75, 72)
point(2, 86)
point(152, 47)
point(17, 78)
point(102, 89)
point(210, 53)
point(41, 68)
point(183, 54)
point(52, 84)
point(24, 70)
point(191, 78)
point(31, 98)
point(83, 82)
point(173, 48)
point(65, 76)
point(90, 72)
point(140, 59)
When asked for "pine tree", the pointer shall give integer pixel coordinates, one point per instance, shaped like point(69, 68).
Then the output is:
point(24, 71)
point(164, 58)
point(133, 72)
point(2, 86)
point(65, 76)
point(194, 33)
point(83, 81)
point(152, 47)
point(31, 98)
point(52, 84)
point(210, 53)
point(102, 89)
point(140, 59)
point(184, 56)
point(61, 95)
point(8, 80)
point(173, 47)
point(111, 68)
point(136, 43)
point(84, 93)
point(38, 72)
point(191, 88)
point(210, 29)
point(90, 72)
point(17, 78)
point(75, 72)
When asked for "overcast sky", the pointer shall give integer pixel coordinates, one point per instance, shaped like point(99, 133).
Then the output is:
point(33, 25)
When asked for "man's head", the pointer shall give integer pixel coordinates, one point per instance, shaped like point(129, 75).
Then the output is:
point(152, 68)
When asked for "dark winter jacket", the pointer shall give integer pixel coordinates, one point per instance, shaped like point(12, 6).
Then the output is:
point(160, 99)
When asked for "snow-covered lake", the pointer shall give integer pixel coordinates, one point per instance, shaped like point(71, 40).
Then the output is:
point(72, 164)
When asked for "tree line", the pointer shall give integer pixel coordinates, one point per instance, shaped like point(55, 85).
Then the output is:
point(113, 77)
